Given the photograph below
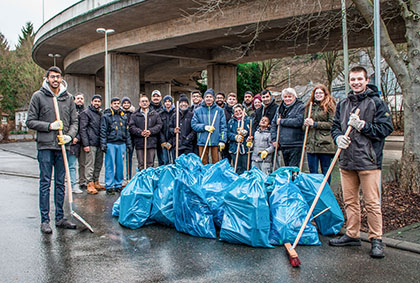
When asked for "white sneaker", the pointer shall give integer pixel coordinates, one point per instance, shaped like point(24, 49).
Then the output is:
point(77, 191)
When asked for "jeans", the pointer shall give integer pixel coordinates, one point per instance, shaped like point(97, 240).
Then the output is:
point(159, 154)
point(129, 164)
point(315, 158)
point(149, 158)
point(291, 156)
point(49, 159)
point(72, 168)
point(114, 165)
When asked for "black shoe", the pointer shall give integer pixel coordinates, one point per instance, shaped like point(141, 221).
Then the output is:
point(110, 192)
point(118, 190)
point(377, 250)
point(83, 187)
point(46, 228)
point(64, 223)
point(345, 241)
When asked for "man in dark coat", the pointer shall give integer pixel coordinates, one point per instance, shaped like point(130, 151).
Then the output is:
point(140, 134)
point(268, 109)
point(185, 132)
point(42, 118)
point(90, 125)
point(128, 109)
point(166, 144)
point(361, 158)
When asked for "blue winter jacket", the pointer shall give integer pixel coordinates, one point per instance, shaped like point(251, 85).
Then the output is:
point(203, 116)
point(232, 132)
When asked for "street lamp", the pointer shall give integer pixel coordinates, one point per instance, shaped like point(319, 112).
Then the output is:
point(106, 32)
point(55, 56)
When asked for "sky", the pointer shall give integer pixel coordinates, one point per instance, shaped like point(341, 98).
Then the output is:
point(15, 13)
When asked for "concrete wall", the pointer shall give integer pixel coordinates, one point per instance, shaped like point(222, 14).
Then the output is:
point(81, 83)
point(164, 88)
point(222, 77)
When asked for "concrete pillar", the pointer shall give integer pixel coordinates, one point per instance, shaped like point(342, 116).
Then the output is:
point(125, 77)
point(81, 83)
point(164, 88)
point(222, 77)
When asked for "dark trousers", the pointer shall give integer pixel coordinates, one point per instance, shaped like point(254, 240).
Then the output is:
point(149, 156)
point(129, 164)
point(159, 154)
point(291, 156)
point(49, 159)
point(242, 162)
point(315, 158)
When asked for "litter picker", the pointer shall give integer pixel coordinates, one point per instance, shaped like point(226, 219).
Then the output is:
point(145, 139)
point(293, 257)
point(277, 146)
point(208, 137)
point(249, 149)
point(177, 134)
point(241, 125)
point(304, 140)
point(66, 166)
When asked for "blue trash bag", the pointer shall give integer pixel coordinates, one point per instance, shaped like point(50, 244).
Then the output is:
point(116, 208)
point(215, 183)
point(286, 172)
point(136, 199)
point(163, 197)
point(192, 213)
point(331, 221)
point(288, 211)
point(247, 215)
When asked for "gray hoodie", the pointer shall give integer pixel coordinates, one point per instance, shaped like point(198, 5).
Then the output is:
point(41, 114)
point(262, 141)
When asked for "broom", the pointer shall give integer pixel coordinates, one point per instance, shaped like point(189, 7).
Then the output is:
point(302, 157)
point(241, 125)
point(293, 256)
point(177, 134)
point(277, 146)
point(145, 140)
point(208, 137)
point(249, 149)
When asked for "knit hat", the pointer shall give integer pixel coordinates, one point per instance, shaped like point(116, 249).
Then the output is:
point(249, 92)
point(209, 91)
point(115, 99)
point(97, 96)
point(168, 97)
point(125, 98)
point(183, 98)
point(257, 97)
point(156, 92)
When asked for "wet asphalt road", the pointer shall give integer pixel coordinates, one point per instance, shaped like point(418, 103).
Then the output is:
point(156, 253)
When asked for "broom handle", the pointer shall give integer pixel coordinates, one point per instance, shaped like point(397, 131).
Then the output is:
point(177, 134)
point(277, 146)
point(64, 153)
point(321, 188)
point(208, 137)
point(304, 141)
point(241, 124)
point(145, 140)
point(249, 149)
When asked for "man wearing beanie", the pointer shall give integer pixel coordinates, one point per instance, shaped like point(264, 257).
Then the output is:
point(202, 125)
point(90, 124)
point(247, 103)
point(166, 144)
point(186, 133)
point(156, 105)
point(128, 109)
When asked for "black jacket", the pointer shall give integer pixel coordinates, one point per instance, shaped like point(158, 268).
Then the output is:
point(292, 117)
point(75, 148)
point(90, 127)
point(228, 112)
point(366, 147)
point(165, 116)
point(154, 125)
point(187, 135)
point(114, 128)
point(268, 111)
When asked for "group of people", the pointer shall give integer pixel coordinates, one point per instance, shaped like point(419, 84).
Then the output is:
point(215, 126)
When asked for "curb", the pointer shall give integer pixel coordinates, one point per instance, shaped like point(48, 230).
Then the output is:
point(389, 242)
point(15, 174)
point(19, 153)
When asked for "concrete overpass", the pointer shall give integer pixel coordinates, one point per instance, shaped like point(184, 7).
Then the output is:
point(163, 44)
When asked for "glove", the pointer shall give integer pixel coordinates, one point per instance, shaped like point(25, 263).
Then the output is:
point(243, 132)
point(343, 142)
point(239, 138)
point(104, 148)
point(56, 125)
point(263, 154)
point(168, 146)
point(209, 129)
point(63, 139)
point(221, 146)
point(249, 144)
point(163, 145)
point(355, 122)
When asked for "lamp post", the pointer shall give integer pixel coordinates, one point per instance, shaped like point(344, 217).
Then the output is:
point(106, 32)
point(55, 56)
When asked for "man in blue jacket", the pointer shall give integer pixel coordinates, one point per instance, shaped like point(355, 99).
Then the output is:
point(202, 125)
point(114, 140)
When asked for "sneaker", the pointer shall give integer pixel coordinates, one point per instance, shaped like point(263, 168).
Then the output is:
point(345, 241)
point(46, 228)
point(83, 187)
point(64, 223)
point(110, 191)
point(377, 250)
point(77, 191)
point(118, 190)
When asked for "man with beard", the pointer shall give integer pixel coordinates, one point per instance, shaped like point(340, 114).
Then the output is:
point(268, 109)
point(42, 118)
point(247, 103)
point(166, 144)
point(196, 97)
point(90, 125)
point(184, 131)
point(220, 99)
point(128, 109)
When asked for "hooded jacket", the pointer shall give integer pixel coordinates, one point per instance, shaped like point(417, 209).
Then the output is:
point(202, 117)
point(165, 116)
point(154, 125)
point(41, 114)
point(262, 141)
point(366, 147)
point(269, 111)
point(187, 135)
point(292, 117)
point(114, 128)
point(90, 127)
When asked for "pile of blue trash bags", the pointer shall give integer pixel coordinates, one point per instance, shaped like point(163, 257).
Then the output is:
point(252, 209)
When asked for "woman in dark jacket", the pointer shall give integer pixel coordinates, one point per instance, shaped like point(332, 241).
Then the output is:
point(320, 147)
